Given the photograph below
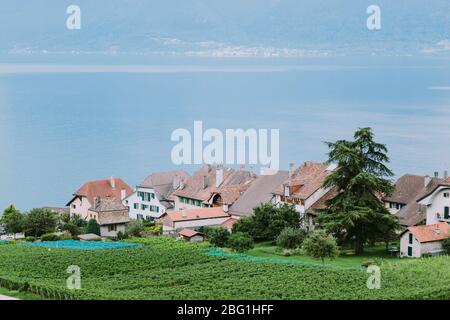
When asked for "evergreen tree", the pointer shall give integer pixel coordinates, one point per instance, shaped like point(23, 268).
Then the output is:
point(357, 214)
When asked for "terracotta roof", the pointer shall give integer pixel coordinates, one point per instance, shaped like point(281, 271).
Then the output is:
point(102, 189)
point(305, 180)
point(228, 224)
point(188, 233)
point(194, 186)
point(260, 191)
point(432, 232)
point(164, 183)
point(197, 214)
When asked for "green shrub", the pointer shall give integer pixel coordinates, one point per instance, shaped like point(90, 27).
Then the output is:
point(93, 227)
point(240, 242)
point(218, 237)
point(134, 228)
point(446, 245)
point(49, 237)
point(65, 236)
point(121, 235)
point(153, 230)
point(320, 245)
point(291, 238)
point(30, 239)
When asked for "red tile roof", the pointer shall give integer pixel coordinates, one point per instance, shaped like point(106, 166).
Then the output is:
point(188, 233)
point(103, 189)
point(432, 232)
point(228, 224)
point(197, 214)
point(305, 180)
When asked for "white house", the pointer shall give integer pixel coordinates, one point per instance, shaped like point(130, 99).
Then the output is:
point(151, 198)
point(420, 240)
point(437, 202)
point(403, 202)
point(303, 188)
point(83, 198)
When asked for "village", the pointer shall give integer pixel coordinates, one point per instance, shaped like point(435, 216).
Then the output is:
point(188, 207)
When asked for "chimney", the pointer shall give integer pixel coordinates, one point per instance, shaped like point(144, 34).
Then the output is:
point(123, 194)
point(436, 174)
point(183, 213)
point(291, 170)
point(445, 174)
point(427, 180)
point(219, 176)
point(113, 182)
point(225, 208)
point(205, 182)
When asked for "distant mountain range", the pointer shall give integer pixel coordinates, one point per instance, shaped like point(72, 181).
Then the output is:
point(226, 27)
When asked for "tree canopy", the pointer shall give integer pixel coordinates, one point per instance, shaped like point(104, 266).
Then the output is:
point(268, 221)
point(13, 219)
point(357, 214)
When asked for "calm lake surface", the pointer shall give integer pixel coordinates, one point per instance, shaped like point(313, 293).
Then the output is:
point(58, 130)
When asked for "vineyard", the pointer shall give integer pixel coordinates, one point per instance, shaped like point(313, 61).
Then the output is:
point(161, 268)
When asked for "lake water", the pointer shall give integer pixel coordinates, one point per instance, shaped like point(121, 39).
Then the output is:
point(58, 130)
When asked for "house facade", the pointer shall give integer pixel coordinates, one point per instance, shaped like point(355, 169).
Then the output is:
point(437, 203)
point(174, 221)
point(303, 188)
point(419, 240)
point(110, 214)
point(403, 203)
point(151, 198)
point(212, 186)
point(83, 198)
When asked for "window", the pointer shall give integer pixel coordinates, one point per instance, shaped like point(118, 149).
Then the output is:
point(287, 191)
point(394, 205)
point(157, 209)
point(410, 238)
point(446, 213)
point(446, 195)
point(74, 206)
point(112, 227)
point(135, 206)
point(144, 207)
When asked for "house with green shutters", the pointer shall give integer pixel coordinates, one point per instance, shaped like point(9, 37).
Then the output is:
point(151, 198)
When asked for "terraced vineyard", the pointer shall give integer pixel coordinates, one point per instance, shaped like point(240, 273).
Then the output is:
point(162, 268)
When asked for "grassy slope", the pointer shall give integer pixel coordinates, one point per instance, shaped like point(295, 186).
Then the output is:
point(269, 250)
point(165, 269)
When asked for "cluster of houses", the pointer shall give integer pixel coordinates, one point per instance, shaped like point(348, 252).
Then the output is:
point(219, 196)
